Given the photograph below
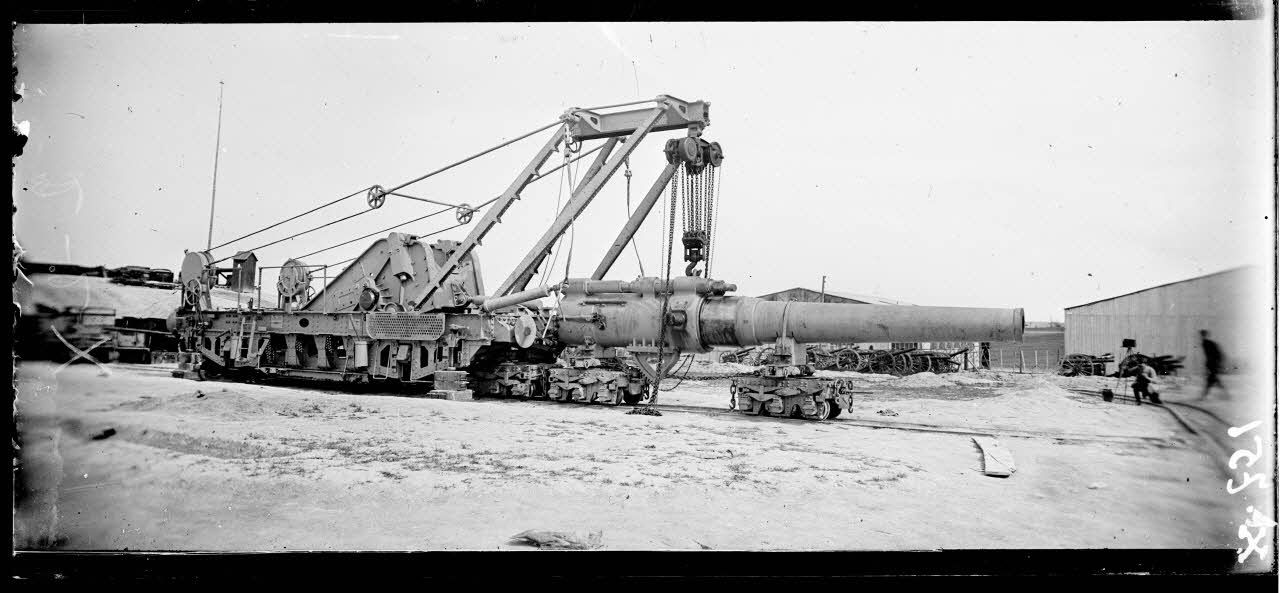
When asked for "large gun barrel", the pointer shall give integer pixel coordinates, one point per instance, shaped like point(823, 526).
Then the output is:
point(699, 317)
point(746, 321)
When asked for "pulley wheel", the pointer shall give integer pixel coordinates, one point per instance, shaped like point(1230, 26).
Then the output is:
point(691, 151)
point(376, 197)
point(464, 213)
point(717, 156)
point(192, 293)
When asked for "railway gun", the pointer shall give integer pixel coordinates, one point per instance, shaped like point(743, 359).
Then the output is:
point(410, 312)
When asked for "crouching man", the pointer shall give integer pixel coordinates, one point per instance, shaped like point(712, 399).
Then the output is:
point(1144, 382)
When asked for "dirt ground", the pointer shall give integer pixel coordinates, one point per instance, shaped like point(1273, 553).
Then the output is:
point(139, 460)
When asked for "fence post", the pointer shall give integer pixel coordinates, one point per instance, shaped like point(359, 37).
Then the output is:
point(1036, 353)
point(1001, 358)
point(1022, 360)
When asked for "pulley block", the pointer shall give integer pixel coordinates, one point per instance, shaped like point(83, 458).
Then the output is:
point(695, 153)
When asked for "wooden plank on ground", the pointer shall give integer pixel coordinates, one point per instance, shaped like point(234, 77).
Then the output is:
point(996, 460)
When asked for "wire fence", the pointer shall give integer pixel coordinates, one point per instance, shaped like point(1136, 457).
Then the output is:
point(1026, 360)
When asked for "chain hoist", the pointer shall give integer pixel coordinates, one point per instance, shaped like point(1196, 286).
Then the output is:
point(693, 187)
point(698, 162)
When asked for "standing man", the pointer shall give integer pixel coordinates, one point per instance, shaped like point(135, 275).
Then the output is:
point(1212, 364)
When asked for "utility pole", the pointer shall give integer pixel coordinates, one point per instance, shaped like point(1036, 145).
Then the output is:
point(824, 290)
point(216, 149)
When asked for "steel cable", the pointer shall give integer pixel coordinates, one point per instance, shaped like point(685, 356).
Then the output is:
point(635, 249)
point(475, 156)
point(360, 213)
point(267, 228)
point(420, 218)
point(440, 211)
point(367, 188)
point(615, 105)
point(546, 272)
point(419, 236)
point(573, 182)
point(477, 207)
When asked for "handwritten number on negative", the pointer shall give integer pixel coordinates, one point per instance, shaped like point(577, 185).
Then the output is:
point(1235, 458)
point(1234, 431)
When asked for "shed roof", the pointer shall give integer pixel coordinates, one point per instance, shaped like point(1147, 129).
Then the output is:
point(861, 298)
point(1227, 271)
point(243, 255)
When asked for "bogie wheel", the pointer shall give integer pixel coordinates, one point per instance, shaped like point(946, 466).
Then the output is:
point(210, 370)
point(835, 411)
point(822, 412)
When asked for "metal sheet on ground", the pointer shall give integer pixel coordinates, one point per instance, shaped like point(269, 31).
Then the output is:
point(996, 460)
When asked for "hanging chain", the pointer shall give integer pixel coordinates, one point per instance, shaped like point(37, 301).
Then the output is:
point(666, 293)
point(711, 217)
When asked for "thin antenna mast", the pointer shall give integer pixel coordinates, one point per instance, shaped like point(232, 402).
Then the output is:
point(217, 148)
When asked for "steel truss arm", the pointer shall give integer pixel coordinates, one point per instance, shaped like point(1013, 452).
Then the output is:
point(633, 224)
point(605, 151)
point(523, 272)
point(589, 124)
point(491, 218)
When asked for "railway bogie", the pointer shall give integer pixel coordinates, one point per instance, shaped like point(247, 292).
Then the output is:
point(787, 397)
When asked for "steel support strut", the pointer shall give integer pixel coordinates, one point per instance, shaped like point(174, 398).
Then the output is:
point(528, 266)
point(633, 224)
point(605, 150)
point(491, 218)
point(601, 158)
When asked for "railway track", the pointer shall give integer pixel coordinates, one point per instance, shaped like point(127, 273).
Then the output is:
point(935, 428)
point(851, 422)
point(863, 423)
point(1206, 425)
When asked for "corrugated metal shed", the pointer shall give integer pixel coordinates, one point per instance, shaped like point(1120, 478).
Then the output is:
point(1167, 319)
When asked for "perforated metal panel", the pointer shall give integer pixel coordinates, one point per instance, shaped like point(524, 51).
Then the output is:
point(406, 326)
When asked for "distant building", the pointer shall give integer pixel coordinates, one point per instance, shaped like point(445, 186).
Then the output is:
point(1167, 319)
point(806, 295)
point(244, 269)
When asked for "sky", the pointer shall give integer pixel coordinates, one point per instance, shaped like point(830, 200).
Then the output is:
point(1034, 165)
